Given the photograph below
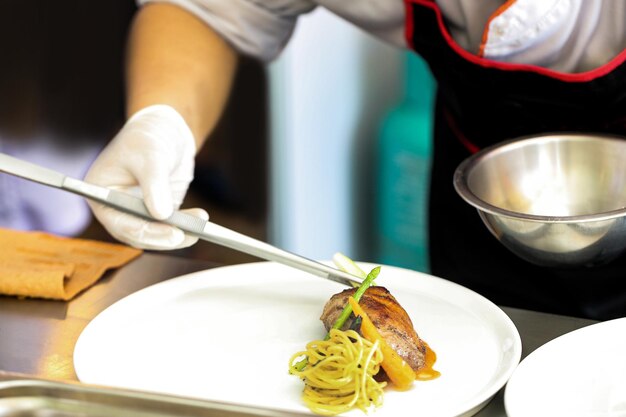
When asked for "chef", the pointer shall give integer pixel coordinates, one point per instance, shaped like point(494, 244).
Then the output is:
point(504, 69)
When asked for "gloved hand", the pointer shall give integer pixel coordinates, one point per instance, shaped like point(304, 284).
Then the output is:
point(153, 157)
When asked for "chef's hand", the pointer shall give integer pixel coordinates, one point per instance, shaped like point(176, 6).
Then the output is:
point(153, 157)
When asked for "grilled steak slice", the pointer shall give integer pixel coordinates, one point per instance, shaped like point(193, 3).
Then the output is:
point(391, 320)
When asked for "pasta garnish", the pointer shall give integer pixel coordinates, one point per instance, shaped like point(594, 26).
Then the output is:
point(339, 373)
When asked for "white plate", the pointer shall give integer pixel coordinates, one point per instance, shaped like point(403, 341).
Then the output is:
point(582, 373)
point(227, 334)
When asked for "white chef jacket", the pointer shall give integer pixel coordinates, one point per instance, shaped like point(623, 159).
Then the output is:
point(563, 35)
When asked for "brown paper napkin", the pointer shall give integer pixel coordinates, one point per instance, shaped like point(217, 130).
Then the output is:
point(41, 265)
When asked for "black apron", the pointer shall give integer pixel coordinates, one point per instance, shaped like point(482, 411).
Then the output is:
point(481, 102)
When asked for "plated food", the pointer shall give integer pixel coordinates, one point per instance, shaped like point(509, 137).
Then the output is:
point(184, 337)
point(389, 318)
point(371, 344)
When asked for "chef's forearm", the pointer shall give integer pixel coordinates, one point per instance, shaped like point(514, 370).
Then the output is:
point(176, 59)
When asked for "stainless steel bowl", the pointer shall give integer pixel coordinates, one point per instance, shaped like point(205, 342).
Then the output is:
point(554, 200)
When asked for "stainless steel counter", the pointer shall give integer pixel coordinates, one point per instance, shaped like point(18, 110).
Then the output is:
point(37, 337)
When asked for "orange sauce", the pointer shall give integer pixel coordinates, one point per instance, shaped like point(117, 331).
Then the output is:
point(427, 372)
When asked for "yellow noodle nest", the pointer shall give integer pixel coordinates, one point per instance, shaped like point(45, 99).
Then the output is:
point(339, 373)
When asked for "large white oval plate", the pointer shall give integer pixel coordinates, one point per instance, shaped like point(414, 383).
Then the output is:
point(227, 334)
point(582, 373)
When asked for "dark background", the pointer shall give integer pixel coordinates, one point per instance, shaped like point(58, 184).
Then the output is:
point(61, 71)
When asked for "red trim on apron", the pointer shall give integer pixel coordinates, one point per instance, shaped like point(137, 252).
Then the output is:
point(468, 144)
point(487, 63)
point(408, 25)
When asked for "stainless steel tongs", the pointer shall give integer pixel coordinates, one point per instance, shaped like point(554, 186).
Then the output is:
point(203, 229)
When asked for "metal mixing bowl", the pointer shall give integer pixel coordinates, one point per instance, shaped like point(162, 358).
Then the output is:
point(554, 200)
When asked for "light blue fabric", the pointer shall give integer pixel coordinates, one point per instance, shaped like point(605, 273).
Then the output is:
point(26, 205)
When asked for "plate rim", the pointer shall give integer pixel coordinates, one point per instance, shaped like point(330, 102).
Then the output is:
point(540, 351)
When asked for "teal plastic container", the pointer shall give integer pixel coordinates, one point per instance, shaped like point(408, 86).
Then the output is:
point(404, 160)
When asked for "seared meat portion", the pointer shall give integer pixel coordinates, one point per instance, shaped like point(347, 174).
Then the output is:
point(391, 320)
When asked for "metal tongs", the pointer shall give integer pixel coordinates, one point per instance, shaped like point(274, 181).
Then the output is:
point(193, 225)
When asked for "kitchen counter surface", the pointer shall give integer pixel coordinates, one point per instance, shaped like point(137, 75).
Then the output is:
point(37, 337)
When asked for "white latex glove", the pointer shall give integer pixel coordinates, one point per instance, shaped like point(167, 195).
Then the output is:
point(152, 157)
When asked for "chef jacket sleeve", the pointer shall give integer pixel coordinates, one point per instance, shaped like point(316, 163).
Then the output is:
point(258, 28)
